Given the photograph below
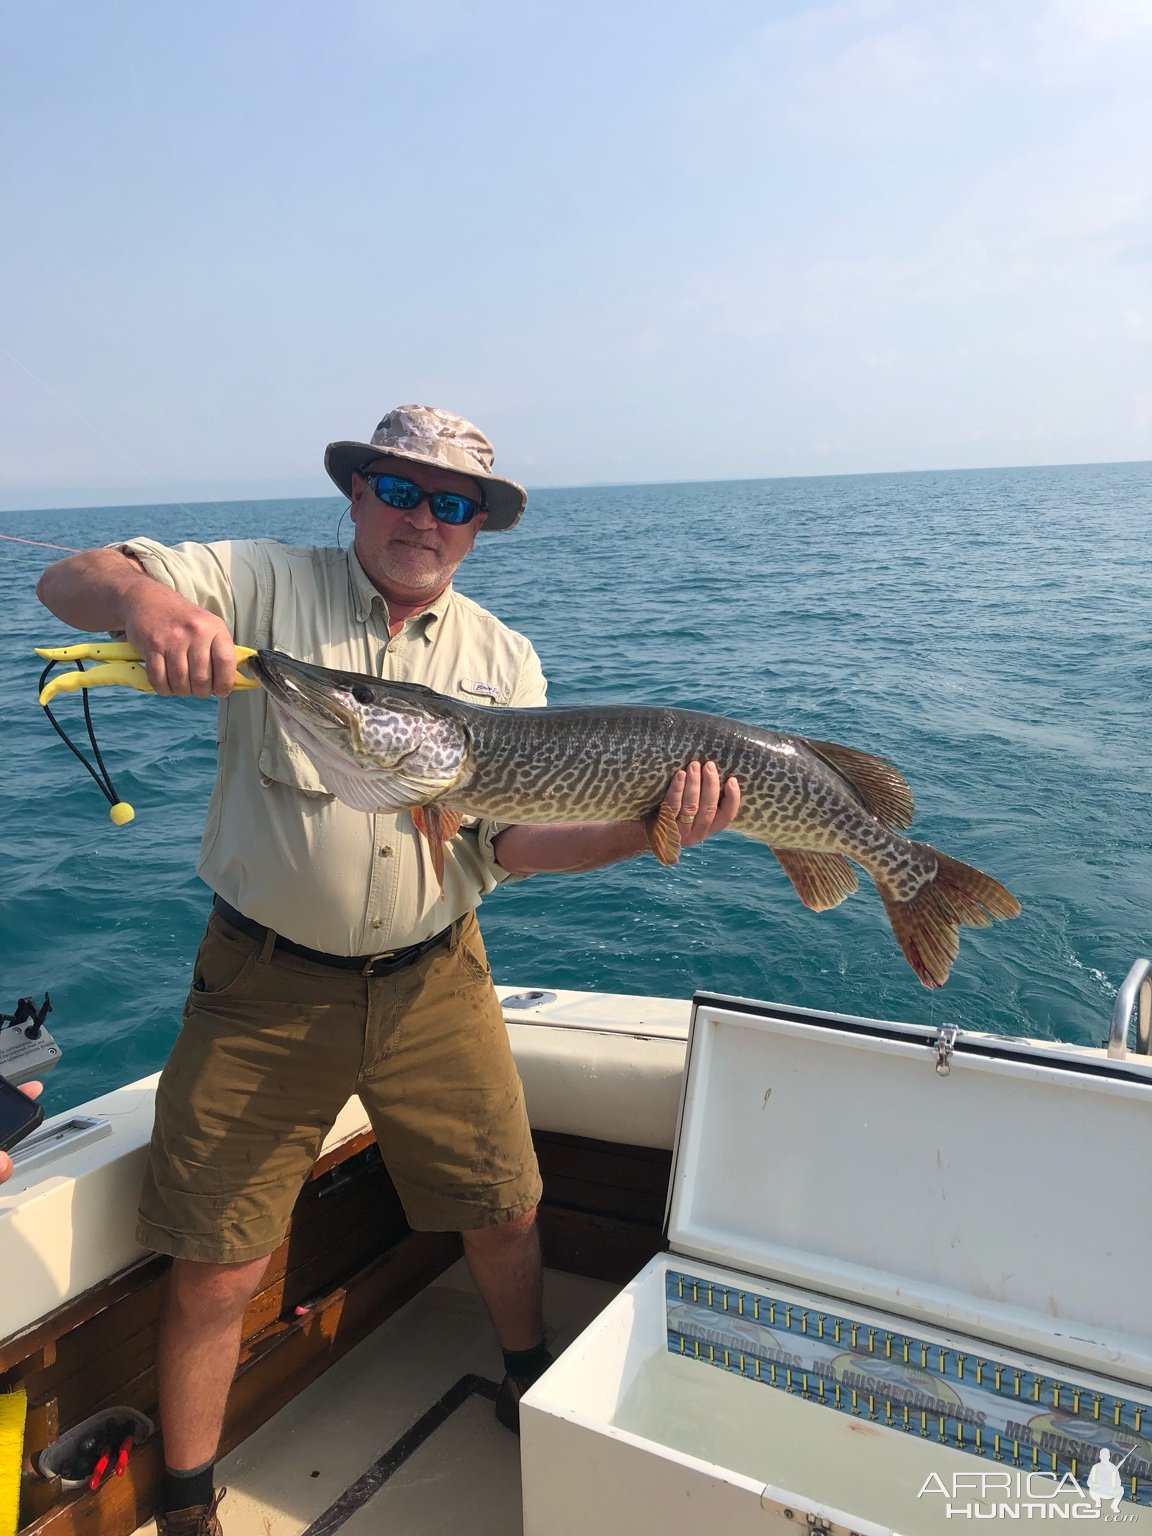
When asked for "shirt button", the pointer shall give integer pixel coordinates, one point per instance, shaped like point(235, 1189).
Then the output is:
point(393, 645)
point(386, 852)
point(377, 923)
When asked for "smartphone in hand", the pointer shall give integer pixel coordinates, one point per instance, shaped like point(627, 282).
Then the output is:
point(19, 1115)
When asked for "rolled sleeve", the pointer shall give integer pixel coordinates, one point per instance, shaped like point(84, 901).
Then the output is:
point(221, 578)
point(485, 834)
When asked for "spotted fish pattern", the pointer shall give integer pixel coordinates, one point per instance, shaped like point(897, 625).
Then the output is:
point(821, 807)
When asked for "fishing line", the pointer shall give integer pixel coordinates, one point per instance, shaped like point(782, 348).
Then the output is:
point(126, 55)
point(39, 543)
point(83, 420)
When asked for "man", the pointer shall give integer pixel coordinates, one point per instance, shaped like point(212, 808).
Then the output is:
point(330, 959)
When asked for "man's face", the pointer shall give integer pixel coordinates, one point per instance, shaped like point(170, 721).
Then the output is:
point(410, 555)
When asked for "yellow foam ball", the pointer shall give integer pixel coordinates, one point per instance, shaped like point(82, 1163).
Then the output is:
point(122, 813)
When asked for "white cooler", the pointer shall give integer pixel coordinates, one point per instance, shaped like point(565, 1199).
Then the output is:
point(907, 1290)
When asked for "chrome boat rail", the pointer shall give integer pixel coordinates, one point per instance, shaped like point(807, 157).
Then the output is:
point(1138, 982)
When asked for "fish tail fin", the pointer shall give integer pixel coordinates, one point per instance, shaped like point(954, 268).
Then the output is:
point(927, 927)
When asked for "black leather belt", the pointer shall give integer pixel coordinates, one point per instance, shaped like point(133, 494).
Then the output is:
point(367, 965)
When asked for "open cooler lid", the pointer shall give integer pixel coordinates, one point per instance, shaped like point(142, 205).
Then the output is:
point(991, 1187)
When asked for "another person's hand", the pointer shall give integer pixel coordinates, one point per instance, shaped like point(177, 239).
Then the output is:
point(33, 1090)
point(699, 803)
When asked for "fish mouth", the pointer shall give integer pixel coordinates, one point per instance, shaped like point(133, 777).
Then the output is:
point(301, 689)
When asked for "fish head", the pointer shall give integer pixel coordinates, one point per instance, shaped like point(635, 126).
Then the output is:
point(377, 745)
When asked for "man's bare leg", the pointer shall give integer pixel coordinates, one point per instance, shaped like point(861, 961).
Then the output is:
point(505, 1264)
point(197, 1350)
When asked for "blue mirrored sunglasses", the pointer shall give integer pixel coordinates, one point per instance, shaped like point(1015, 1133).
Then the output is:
point(445, 506)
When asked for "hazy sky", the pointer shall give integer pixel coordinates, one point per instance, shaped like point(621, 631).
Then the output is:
point(633, 241)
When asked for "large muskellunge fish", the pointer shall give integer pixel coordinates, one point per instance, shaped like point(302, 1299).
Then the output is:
point(387, 746)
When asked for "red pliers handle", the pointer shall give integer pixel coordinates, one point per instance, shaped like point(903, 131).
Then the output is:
point(102, 1465)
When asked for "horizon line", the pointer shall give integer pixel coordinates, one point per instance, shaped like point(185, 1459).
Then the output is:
point(605, 485)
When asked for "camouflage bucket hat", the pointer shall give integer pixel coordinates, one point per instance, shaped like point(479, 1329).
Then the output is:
point(421, 434)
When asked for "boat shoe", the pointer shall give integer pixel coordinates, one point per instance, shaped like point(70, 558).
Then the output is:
point(508, 1396)
point(196, 1520)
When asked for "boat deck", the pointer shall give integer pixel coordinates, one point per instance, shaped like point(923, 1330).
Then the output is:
point(399, 1435)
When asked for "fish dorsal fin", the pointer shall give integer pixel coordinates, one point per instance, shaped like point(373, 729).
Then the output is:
point(880, 786)
point(822, 880)
point(438, 826)
point(663, 834)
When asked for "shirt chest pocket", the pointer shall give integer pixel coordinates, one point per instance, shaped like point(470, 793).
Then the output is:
point(283, 762)
point(476, 690)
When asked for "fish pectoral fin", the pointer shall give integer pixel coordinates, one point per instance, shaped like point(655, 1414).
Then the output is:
point(822, 880)
point(663, 834)
point(450, 823)
point(880, 785)
point(438, 826)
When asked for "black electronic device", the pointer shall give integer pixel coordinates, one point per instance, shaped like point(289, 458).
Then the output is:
point(19, 1115)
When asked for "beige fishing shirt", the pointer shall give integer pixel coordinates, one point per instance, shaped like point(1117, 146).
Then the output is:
point(277, 845)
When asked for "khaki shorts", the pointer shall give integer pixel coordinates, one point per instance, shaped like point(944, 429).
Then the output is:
point(273, 1046)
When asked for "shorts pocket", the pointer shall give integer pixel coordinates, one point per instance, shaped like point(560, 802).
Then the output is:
point(224, 961)
point(474, 960)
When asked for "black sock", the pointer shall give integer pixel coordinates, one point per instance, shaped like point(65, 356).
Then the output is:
point(527, 1364)
point(182, 1490)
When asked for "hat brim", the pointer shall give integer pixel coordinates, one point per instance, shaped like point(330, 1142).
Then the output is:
point(504, 500)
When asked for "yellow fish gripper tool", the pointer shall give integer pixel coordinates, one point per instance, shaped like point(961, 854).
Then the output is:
point(117, 663)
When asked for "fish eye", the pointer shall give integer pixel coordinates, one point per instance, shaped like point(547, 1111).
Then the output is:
point(362, 693)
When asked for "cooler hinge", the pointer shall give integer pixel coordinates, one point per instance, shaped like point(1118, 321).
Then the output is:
point(944, 1042)
point(818, 1526)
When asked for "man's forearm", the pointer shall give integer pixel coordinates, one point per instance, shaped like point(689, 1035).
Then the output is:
point(528, 850)
point(93, 590)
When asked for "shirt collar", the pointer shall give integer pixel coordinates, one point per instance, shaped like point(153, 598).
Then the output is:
point(365, 597)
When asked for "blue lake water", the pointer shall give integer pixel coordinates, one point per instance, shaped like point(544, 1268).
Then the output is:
point(987, 630)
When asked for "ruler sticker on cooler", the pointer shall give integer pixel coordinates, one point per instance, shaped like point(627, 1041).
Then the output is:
point(971, 1401)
